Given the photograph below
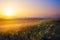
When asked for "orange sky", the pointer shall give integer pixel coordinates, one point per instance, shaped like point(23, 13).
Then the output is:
point(29, 8)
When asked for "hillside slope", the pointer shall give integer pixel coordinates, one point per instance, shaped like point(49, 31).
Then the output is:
point(46, 30)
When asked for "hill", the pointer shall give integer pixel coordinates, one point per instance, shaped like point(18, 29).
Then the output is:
point(45, 30)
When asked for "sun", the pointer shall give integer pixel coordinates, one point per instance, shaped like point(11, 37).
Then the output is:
point(9, 12)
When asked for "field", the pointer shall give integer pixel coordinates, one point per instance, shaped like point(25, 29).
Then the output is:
point(46, 29)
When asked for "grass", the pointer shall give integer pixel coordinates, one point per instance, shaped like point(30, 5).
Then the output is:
point(45, 30)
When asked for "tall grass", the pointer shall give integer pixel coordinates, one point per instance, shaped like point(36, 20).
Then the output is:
point(46, 30)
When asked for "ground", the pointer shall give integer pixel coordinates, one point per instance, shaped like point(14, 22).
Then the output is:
point(44, 30)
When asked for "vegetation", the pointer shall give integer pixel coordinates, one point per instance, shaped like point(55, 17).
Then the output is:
point(47, 30)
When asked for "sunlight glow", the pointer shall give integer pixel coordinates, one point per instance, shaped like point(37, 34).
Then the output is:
point(9, 12)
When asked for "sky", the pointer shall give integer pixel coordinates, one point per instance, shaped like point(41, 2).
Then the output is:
point(30, 8)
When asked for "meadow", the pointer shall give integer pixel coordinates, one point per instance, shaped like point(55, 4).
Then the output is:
point(48, 29)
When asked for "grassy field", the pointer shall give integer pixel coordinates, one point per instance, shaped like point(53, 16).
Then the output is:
point(44, 30)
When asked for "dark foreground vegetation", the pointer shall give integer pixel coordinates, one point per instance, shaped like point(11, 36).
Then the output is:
point(47, 30)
